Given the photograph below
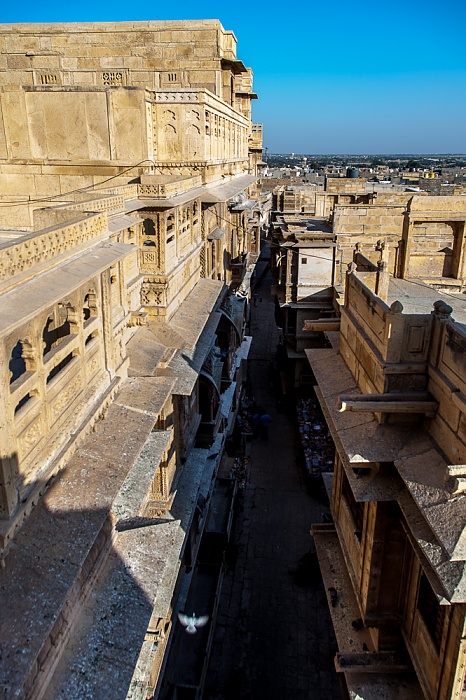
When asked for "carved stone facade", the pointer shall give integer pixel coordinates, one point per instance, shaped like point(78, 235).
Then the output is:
point(117, 239)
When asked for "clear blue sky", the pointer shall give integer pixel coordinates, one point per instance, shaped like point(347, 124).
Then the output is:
point(374, 76)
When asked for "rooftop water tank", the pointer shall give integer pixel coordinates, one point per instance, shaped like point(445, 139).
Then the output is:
point(352, 172)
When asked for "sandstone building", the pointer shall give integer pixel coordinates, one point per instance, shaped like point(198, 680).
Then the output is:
point(371, 291)
point(391, 386)
point(130, 223)
point(317, 233)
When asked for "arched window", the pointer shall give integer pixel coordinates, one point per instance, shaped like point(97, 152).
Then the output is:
point(23, 402)
point(92, 336)
point(61, 365)
point(149, 227)
point(17, 365)
point(58, 326)
point(25, 399)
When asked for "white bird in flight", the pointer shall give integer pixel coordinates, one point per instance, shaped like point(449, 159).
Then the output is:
point(191, 622)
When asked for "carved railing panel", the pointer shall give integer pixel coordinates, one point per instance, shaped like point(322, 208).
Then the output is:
point(39, 247)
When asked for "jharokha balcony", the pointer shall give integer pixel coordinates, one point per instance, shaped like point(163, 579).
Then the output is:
point(255, 139)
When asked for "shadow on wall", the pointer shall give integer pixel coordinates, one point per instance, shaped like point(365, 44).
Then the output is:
point(79, 600)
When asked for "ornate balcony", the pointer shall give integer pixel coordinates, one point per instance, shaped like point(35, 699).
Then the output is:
point(255, 139)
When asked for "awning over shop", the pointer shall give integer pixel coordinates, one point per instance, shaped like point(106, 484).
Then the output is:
point(236, 66)
point(248, 204)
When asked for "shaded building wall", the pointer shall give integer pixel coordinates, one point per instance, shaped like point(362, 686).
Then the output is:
point(403, 596)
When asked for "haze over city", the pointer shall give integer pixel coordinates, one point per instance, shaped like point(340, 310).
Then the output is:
point(366, 78)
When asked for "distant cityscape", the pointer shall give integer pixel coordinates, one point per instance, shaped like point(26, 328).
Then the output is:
point(434, 173)
point(392, 160)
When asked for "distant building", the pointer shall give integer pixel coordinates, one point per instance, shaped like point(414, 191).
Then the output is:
point(416, 236)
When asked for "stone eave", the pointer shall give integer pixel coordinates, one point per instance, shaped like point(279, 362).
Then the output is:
point(53, 285)
point(362, 441)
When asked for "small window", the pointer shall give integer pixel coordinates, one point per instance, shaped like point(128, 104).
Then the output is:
point(90, 337)
point(432, 612)
point(356, 508)
point(23, 402)
point(61, 365)
point(304, 261)
point(149, 227)
point(89, 306)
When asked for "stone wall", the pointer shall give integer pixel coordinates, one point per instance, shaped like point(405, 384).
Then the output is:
point(373, 337)
point(150, 54)
point(447, 383)
point(345, 185)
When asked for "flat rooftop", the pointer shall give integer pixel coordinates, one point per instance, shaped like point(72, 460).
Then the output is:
point(418, 298)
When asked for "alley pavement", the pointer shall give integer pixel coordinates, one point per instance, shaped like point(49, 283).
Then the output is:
point(273, 637)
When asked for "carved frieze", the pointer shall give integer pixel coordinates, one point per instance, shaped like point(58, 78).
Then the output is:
point(30, 437)
point(151, 190)
point(93, 364)
point(176, 97)
point(113, 78)
point(202, 262)
point(65, 398)
point(153, 294)
point(26, 254)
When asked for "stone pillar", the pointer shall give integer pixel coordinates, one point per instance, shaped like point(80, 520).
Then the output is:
point(408, 234)
point(8, 444)
point(459, 257)
point(442, 315)
point(8, 490)
point(382, 281)
point(289, 281)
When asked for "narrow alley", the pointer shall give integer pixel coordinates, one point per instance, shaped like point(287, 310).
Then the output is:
point(273, 638)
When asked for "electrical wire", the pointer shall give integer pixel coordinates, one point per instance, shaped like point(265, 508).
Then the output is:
point(424, 285)
point(218, 217)
point(62, 195)
point(297, 250)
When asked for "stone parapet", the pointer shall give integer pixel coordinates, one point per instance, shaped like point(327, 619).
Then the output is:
point(38, 248)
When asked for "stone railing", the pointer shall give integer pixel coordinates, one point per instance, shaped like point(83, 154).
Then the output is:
point(106, 203)
point(47, 244)
point(129, 190)
point(149, 186)
point(189, 96)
